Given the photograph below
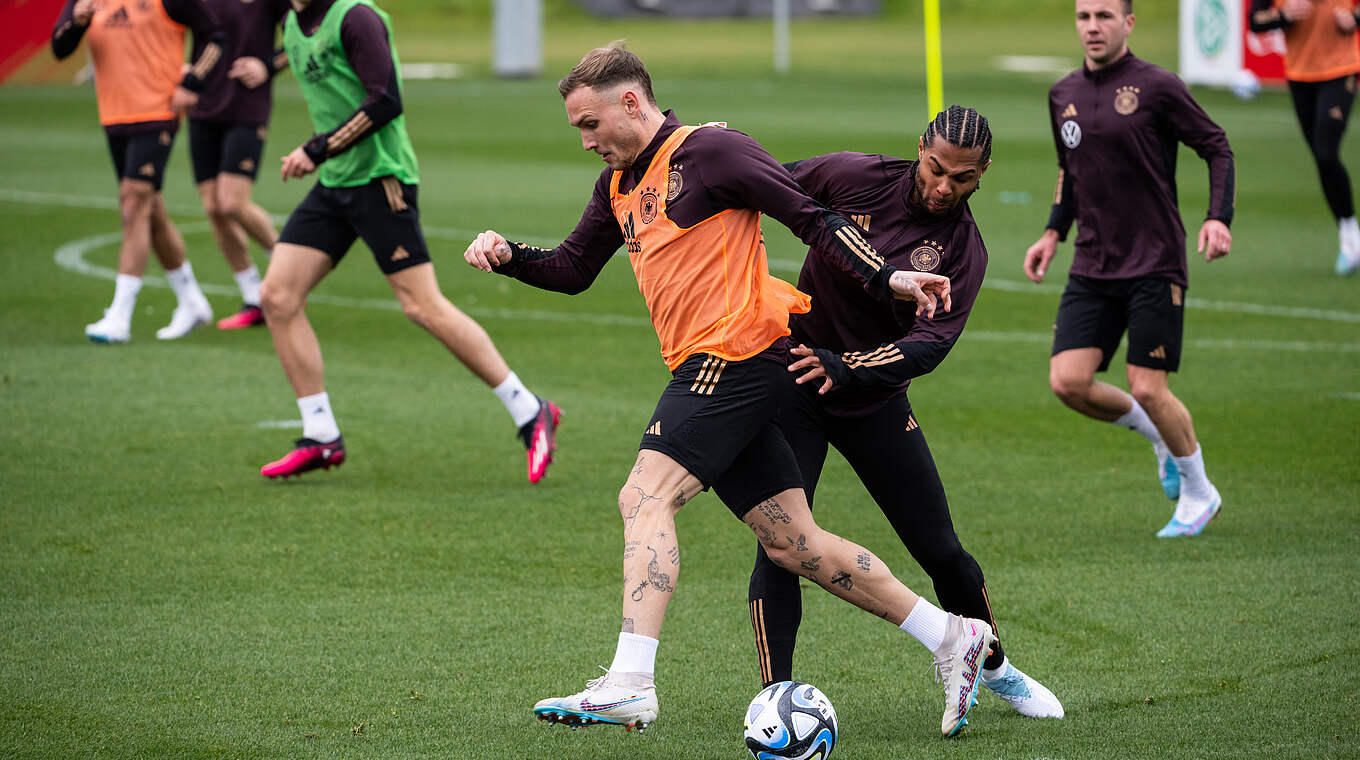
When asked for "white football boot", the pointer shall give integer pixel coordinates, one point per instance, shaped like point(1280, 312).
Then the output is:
point(187, 316)
point(623, 699)
point(109, 330)
point(1029, 697)
point(1192, 515)
point(958, 665)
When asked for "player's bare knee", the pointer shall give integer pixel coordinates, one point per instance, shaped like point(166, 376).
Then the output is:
point(134, 203)
point(231, 207)
point(416, 312)
point(278, 302)
point(1068, 388)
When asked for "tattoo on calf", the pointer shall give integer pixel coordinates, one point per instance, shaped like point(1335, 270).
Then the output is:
point(674, 554)
point(630, 548)
point(863, 561)
point(659, 580)
point(627, 625)
point(766, 536)
point(637, 592)
point(842, 579)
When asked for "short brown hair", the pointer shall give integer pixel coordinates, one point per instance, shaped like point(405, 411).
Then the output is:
point(607, 66)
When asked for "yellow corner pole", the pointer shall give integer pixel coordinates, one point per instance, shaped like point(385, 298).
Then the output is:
point(934, 71)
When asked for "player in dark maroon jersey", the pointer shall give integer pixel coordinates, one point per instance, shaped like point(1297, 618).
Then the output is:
point(686, 203)
point(855, 360)
point(1117, 124)
point(226, 137)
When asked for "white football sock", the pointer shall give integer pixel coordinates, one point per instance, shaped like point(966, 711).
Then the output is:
point(519, 402)
point(991, 674)
point(318, 422)
point(125, 289)
point(183, 283)
point(248, 280)
point(1348, 231)
point(635, 654)
point(1137, 420)
point(926, 623)
point(1194, 482)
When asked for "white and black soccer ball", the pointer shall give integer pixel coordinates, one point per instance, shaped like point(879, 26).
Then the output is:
point(790, 720)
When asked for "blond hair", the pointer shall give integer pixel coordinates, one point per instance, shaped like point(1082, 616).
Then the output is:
point(606, 66)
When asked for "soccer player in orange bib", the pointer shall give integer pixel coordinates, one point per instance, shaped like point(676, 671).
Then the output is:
point(685, 202)
point(137, 47)
point(1321, 62)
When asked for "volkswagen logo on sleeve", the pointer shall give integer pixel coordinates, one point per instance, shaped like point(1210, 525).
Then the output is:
point(1071, 134)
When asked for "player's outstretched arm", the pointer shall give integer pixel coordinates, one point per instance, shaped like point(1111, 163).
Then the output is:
point(1215, 240)
point(1040, 254)
point(488, 251)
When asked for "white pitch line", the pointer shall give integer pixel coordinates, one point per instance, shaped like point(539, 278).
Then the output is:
point(457, 234)
point(71, 257)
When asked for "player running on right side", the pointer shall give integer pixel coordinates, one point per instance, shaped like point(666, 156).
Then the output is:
point(1117, 123)
point(857, 357)
point(1321, 61)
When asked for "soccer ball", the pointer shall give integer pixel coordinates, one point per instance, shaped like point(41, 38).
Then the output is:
point(790, 720)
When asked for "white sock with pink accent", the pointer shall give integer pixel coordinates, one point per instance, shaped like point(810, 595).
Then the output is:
point(927, 624)
point(635, 654)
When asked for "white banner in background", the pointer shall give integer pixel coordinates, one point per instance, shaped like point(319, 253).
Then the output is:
point(1211, 41)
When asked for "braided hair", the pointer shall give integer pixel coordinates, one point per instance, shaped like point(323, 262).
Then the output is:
point(962, 127)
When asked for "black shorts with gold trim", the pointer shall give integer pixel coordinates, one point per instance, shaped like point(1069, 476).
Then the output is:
point(217, 147)
point(384, 213)
point(719, 419)
point(1095, 313)
point(141, 154)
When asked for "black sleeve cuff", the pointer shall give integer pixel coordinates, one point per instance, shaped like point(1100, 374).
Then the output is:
point(834, 367)
point(315, 149)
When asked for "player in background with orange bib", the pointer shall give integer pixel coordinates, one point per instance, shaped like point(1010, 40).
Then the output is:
point(137, 47)
point(226, 138)
point(685, 202)
point(1321, 62)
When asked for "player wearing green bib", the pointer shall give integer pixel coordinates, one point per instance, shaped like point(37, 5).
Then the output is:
point(342, 54)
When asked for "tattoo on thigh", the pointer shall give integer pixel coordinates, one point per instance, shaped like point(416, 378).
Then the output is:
point(773, 512)
point(627, 625)
point(640, 462)
point(863, 561)
point(659, 580)
point(812, 564)
point(842, 579)
point(800, 543)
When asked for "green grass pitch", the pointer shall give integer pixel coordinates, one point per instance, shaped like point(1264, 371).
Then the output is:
point(158, 599)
